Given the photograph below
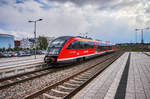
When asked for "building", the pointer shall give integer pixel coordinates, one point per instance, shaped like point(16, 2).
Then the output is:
point(27, 43)
point(17, 44)
point(6, 41)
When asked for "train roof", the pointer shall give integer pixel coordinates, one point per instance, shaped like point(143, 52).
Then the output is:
point(81, 38)
point(64, 37)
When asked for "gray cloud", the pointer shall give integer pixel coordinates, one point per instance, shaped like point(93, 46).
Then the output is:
point(102, 4)
point(78, 16)
point(85, 2)
point(121, 5)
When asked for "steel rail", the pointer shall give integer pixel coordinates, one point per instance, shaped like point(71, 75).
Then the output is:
point(40, 92)
point(72, 93)
point(146, 54)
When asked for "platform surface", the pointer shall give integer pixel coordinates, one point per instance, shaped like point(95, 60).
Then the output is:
point(121, 80)
point(15, 61)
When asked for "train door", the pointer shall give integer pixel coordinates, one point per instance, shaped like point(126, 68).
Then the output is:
point(96, 48)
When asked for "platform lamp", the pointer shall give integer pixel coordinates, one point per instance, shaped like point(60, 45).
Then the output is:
point(35, 33)
point(136, 35)
point(142, 39)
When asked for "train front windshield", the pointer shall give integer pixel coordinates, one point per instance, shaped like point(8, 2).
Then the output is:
point(55, 47)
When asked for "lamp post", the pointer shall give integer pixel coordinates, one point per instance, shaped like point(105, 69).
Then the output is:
point(35, 33)
point(135, 36)
point(142, 39)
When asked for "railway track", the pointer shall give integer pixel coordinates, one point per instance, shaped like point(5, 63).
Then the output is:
point(69, 86)
point(18, 90)
point(13, 80)
point(10, 81)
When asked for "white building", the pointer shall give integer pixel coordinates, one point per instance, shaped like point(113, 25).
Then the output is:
point(26, 43)
point(29, 43)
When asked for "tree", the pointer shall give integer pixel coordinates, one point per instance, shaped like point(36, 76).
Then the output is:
point(42, 43)
point(4, 49)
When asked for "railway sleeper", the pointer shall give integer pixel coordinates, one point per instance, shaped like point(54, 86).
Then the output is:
point(9, 81)
point(22, 77)
point(6, 82)
point(33, 75)
point(84, 77)
point(64, 89)
point(75, 82)
point(79, 79)
point(87, 73)
point(67, 88)
point(36, 74)
point(30, 75)
point(71, 84)
point(25, 77)
point(59, 92)
point(43, 72)
point(2, 83)
point(18, 78)
point(47, 96)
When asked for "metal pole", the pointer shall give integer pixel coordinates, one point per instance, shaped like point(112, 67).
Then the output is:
point(35, 38)
point(142, 41)
point(35, 34)
point(135, 36)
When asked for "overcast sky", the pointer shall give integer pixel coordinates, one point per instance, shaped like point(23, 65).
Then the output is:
point(107, 20)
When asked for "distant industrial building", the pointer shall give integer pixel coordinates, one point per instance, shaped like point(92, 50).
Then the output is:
point(6, 41)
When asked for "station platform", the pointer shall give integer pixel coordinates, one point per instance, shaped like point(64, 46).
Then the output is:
point(127, 78)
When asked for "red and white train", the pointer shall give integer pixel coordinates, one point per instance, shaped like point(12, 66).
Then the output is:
point(68, 49)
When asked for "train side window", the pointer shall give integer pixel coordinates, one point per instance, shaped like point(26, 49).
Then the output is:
point(74, 45)
point(101, 48)
point(109, 47)
point(81, 45)
point(78, 45)
point(91, 44)
point(104, 48)
point(96, 47)
point(86, 45)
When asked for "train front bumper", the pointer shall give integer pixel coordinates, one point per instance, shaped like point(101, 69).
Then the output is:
point(49, 59)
